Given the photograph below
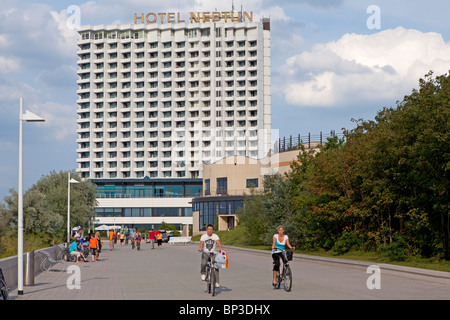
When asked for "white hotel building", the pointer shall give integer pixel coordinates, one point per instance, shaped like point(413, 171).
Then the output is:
point(156, 101)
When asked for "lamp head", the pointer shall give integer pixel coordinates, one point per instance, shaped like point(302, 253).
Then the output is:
point(31, 117)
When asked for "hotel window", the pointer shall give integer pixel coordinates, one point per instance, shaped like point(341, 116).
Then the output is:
point(207, 187)
point(85, 36)
point(252, 183)
point(191, 33)
point(167, 174)
point(221, 186)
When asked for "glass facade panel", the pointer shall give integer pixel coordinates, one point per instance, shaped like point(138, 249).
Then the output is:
point(209, 210)
point(143, 212)
point(221, 186)
point(148, 189)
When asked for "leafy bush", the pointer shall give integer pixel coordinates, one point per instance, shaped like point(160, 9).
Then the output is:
point(398, 249)
point(347, 241)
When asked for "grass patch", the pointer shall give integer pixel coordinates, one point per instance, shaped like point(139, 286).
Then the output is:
point(31, 242)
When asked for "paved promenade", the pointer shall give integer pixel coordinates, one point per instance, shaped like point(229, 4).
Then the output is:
point(172, 273)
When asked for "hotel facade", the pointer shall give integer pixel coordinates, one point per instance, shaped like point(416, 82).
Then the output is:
point(158, 101)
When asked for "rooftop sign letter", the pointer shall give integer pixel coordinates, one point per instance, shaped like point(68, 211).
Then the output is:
point(194, 17)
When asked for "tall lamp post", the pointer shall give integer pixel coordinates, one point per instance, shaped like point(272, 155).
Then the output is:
point(68, 207)
point(29, 117)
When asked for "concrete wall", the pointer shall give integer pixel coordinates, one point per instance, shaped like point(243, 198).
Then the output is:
point(281, 162)
point(9, 265)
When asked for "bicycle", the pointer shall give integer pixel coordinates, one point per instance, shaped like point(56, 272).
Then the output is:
point(3, 286)
point(210, 274)
point(285, 276)
point(138, 244)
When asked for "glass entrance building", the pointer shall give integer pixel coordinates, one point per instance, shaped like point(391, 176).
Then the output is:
point(145, 203)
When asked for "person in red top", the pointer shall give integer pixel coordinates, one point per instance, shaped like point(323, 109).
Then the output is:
point(151, 236)
point(93, 244)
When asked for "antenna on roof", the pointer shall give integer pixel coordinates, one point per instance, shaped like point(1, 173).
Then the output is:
point(241, 14)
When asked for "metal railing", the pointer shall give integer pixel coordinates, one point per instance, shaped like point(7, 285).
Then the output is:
point(224, 193)
point(309, 141)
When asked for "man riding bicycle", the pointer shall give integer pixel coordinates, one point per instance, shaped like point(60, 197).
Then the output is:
point(208, 244)
point(279, 243)
point(138, 240)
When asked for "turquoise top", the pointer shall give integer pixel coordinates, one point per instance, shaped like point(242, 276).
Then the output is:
point(73, 247)
point(280, 246)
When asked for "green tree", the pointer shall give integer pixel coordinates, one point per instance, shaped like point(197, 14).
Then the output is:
point(391, 177)
point(384, 186)
point(252, 218)
point(45, 205)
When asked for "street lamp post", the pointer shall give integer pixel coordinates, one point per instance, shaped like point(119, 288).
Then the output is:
point(29, 117)
point(68, 207)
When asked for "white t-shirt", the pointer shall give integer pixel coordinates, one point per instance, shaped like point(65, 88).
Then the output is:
point(210, 243)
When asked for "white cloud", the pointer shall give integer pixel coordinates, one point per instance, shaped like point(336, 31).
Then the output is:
point(60, 118)
point(275, 13)
point(36, 35)
point(9, 65)
point(357, 68)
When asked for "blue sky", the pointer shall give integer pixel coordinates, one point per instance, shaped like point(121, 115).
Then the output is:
point(327, 65)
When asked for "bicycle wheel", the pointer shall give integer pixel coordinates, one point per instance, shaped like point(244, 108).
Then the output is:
point(208, 279)
point(213, 281)
point(3, 289)
point(287, 279)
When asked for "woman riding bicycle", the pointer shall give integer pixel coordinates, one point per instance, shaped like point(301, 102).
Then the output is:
point(279, 243)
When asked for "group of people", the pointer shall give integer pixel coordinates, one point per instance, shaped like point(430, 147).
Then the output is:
point(155, 236)
point(94, 246)
point(124, 237)
point(209, 243)
point(135, 237)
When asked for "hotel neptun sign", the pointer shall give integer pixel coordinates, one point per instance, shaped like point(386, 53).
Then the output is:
point(194, 17)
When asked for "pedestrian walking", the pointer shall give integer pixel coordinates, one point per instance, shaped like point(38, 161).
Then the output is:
point(151, 236)
point(111, 240)
point(99, 239)
point(159, 239)
point(93, 245)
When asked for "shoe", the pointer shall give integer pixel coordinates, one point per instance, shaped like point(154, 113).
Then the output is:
point(217, 284)
point(203, 277)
